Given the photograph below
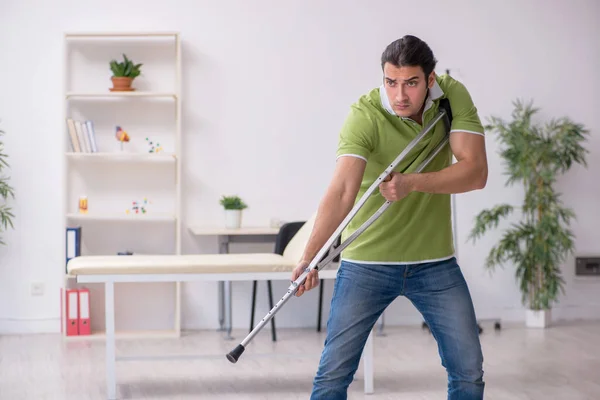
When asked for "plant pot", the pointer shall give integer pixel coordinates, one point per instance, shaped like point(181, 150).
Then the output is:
point(233, 219)
point(538, 318)
point(121, 84)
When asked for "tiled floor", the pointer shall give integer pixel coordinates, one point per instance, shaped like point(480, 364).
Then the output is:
point(562, 362)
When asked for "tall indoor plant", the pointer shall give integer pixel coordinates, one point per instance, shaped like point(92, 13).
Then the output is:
point(6, 191)
point(534, 156)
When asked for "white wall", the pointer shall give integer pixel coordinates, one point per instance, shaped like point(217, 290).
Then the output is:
point(279, 77)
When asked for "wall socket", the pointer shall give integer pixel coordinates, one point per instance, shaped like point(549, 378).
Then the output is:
point(587, 266)
point(37, 289)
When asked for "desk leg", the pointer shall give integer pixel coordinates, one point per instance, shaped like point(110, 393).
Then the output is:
point(223, 249)
point(109, 303)
point(221, 306)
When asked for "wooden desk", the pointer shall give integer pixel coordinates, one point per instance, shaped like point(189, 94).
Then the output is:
point(226, 236)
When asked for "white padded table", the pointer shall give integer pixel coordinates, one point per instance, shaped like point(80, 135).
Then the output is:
point(181, 264)
point(187, 268)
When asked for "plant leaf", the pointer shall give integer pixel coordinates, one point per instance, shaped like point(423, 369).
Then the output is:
point(488, 219)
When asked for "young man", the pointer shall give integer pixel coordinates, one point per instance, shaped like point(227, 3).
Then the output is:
point(409, 250)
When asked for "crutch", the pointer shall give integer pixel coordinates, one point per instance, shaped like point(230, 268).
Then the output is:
point(445, 115)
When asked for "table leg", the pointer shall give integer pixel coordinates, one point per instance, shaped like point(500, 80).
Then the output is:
point(368, 360)
point(228, 310)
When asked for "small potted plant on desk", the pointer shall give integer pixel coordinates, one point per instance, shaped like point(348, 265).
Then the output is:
point(233, 206)
point(123, 74)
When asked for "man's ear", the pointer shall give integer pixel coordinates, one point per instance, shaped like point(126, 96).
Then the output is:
point(431, 80)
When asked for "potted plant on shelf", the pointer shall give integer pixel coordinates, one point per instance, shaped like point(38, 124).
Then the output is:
point(6, 191)
point(233, 206)
point(537, 245)
point(123, 74)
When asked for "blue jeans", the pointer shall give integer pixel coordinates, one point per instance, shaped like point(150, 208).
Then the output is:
point(439, 292)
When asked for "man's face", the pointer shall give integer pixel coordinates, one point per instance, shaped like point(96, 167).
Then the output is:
point(406, 88)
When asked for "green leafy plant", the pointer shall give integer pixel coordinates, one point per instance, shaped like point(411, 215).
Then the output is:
point(534, 156)
point(6, 192)
point(233, 203)
point(126, 68)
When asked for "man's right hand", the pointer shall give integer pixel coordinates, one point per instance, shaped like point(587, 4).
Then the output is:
point(311, 281)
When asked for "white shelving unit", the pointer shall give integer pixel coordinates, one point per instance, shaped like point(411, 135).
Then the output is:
point(113, 177)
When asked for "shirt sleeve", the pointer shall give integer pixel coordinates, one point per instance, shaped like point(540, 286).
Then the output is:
point(465, 117)
point(357, 136)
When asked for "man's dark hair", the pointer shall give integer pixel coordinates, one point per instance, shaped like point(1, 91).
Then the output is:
point(409, 51)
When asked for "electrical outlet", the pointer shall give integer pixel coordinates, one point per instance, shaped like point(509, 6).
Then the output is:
point(587, 266)
point(37, 289)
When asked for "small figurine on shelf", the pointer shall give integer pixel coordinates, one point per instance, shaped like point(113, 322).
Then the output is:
point(121, 136)
point(154, 149)
point(136, 208)
point(83, 205)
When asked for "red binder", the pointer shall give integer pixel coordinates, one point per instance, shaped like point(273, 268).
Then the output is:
point(84, 312)
point(72, 312)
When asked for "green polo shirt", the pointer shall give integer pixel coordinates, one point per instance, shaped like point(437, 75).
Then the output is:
point(417, 228)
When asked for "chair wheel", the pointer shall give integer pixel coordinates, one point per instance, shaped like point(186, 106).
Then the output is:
point(480, 329)
point(497, 326)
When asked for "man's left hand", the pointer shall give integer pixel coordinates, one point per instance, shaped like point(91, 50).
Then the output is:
point(396, 186)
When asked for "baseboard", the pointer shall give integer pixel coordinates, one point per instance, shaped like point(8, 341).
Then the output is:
point(574, 312)
point(17, 326)
point(560, 312)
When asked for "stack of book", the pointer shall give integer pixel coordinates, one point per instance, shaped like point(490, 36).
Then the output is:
point(82, 136)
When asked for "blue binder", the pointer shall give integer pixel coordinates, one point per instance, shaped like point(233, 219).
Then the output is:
point(73, 243)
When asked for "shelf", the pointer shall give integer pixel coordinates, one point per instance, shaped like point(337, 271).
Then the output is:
point(101, 335)
point(140, 34)
point(123, 157)
point(135, 93)
point(151, 217)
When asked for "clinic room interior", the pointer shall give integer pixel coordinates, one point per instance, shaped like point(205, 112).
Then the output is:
point(299, 200)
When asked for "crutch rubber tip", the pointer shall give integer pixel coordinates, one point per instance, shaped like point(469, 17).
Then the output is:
point(235, 353)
